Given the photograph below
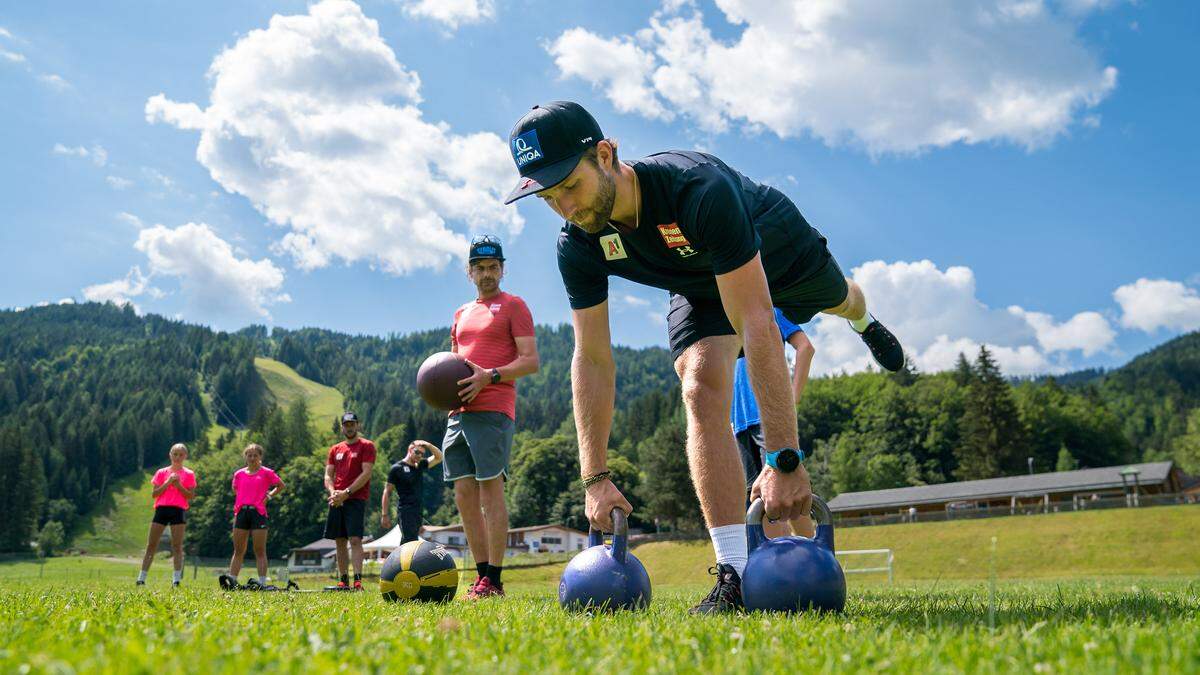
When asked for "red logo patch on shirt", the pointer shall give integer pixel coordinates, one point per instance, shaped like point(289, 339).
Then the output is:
point(673, 236)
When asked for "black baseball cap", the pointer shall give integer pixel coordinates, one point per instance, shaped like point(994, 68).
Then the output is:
point(547, 144)
point(486, 246)
point(349, 417)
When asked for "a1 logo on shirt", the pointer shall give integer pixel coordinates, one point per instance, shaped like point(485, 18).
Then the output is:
point(613, 248)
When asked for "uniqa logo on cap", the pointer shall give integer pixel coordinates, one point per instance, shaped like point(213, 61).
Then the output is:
point(526, 148)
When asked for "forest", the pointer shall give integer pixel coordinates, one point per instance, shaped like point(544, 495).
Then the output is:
point(91, 393)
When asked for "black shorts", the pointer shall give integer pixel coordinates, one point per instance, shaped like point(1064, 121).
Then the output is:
point(248, 518)
point(800, 296)
point(346, 520)
point(752, 449)
point(169, 515)
point(410, 522)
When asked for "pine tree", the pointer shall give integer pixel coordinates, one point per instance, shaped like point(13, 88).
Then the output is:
point(992, 434)
point(667, 487)
point(1066, 462)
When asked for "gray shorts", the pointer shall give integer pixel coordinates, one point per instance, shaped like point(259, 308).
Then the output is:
point(477, 444)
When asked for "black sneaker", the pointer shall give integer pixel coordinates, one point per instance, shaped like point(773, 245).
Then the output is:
point(726, 596)
point(229, 582)
point(175, 584)
point(883, 345)
point(139, 582)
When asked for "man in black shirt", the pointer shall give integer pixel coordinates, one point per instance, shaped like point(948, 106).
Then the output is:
point(729, 250)
point(404, 478)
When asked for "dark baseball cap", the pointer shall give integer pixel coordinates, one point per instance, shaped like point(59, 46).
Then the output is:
point(349, 417)
point(485, 246)
point(547, 144)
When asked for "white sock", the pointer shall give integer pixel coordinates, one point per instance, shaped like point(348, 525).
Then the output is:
point(177, 576)
point(860, 324)
point(729, 541)
point(262, 581)
point(142, 575)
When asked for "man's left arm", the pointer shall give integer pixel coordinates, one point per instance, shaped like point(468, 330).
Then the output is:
point(526, 363)
point(746, 298)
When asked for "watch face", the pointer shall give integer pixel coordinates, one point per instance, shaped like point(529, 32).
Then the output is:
point(788, 460)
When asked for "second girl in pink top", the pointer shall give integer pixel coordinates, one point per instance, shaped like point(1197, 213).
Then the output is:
point(252, 487)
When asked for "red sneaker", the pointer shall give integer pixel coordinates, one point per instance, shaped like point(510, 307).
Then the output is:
point(486, 589)
point(473, 591)
point(358, 584)
point(342, 586)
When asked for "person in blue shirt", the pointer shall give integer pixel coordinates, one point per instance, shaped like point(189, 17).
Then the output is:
point(746, 420)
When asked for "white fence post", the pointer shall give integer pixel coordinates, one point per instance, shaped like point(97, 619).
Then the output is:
point(890, 559)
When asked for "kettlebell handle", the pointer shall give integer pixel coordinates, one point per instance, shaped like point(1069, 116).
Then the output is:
point(819, 511)
point(620, 540)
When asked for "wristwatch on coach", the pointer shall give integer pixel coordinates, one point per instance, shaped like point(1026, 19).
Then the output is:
point(785, 460)
point(495, 376)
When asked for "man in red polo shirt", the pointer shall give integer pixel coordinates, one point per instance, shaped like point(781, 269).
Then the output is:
point(494, 332)
point(348, 480)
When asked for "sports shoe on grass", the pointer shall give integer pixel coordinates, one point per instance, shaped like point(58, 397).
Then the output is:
point(473, 590)
point(357, 584)
point(726, 595)
point(883, 345)
point(484, 588)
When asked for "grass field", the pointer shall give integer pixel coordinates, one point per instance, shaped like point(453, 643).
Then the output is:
point(287, 386)
point(118, 525)
point(1159, 541)
point(1126, 609)
point(1095, 627)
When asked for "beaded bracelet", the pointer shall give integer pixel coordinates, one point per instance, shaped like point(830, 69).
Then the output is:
point(591, 480)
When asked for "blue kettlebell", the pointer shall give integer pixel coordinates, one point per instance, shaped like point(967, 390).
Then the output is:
point(787, 574)
point(606, 578)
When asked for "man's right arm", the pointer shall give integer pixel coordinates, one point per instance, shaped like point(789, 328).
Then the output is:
point(593, 390)
point(804, 357)
point(329, 479)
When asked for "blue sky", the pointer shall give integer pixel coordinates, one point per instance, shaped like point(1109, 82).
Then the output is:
point(1012, 173)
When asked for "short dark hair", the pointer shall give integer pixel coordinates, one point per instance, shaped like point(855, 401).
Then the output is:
point(592, 156)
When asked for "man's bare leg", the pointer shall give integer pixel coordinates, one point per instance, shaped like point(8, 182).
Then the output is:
point(705, 370)
point(495, 516)
point(466, 498)
point(884, 346)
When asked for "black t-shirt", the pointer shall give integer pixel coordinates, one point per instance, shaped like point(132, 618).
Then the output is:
point(699, 219)
point(407, 480)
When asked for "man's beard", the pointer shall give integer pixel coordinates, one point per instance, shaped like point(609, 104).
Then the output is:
point(350, 435)
point(602, 207)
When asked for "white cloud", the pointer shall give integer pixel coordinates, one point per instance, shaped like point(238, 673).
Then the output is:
point(12, 57)
point(120, 291)
point(158, 177)
point(1150, 304)
point(315, 122)
point(4, 33)
point(216, 282)
point(618, 62)
point(936, 315)
point(118, 183)
point(876, 75)
point(130, 219)
point(54, 81)
point(452, 13)
point(97, 154)
point(1088, 332)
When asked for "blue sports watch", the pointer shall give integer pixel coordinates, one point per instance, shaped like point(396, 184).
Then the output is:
point(785, 460)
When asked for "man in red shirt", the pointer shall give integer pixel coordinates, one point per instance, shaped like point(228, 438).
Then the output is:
point(494, 332)
point(348, 480)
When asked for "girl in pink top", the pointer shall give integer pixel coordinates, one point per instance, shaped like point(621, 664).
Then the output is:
point(252, 487)
point(173, 485)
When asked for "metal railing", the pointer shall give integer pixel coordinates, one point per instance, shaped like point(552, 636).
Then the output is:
point(1028, 509)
